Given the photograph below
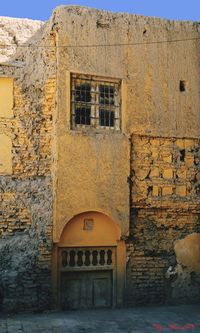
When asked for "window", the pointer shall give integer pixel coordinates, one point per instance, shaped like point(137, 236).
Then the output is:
point(95, 102)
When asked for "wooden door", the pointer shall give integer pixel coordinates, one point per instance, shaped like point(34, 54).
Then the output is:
point(86, 289)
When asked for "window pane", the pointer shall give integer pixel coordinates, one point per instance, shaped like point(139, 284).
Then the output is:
point(106, 95)
point(82, 93)
point(82, 116)
point(106, 118)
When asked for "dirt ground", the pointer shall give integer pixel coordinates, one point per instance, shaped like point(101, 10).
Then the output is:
point(134, 320)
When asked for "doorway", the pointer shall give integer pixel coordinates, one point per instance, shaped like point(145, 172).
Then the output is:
point(90, 263)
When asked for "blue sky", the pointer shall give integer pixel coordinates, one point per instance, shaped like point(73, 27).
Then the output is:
point(41, 9)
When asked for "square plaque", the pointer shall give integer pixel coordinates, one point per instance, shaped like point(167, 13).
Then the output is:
point(88, 224)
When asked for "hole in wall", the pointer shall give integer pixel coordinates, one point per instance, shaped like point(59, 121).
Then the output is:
point(182, 155)
point(182, 85)
point(198, 189)
point(196, 161)
point(150, 190)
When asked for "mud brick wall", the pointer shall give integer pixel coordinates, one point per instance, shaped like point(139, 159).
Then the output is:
point(164, 213)
point(26, 194)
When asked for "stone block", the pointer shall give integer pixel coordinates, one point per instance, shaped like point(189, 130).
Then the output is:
point(167, 158)
point(142, 173)
point(180, 143)
point(168, 173)
point(181, 191)
point(155, 191)
point(181, 173)
point(167, 190)
point(154, 154)
point(154, 172)
point(189, 161)
point(155, 142)
point(189, 143)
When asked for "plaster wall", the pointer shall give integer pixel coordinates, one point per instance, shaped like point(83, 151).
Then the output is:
point(6, 155)
point(152, 55)
point(6, 97)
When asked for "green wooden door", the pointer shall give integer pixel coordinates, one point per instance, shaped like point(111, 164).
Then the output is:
point(86, 289)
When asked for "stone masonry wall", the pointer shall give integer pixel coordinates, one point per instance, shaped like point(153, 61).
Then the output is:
point(165, 201)
point(166, 172)
point(26, 194)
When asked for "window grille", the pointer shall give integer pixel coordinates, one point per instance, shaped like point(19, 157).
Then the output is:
point(95, 102)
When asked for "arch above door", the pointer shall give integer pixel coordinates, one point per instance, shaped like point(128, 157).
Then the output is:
point(90, 229)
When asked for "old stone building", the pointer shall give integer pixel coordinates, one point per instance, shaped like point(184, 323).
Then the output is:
point(99, 161)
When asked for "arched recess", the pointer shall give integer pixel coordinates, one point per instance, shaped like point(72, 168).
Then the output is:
point(89, 263)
